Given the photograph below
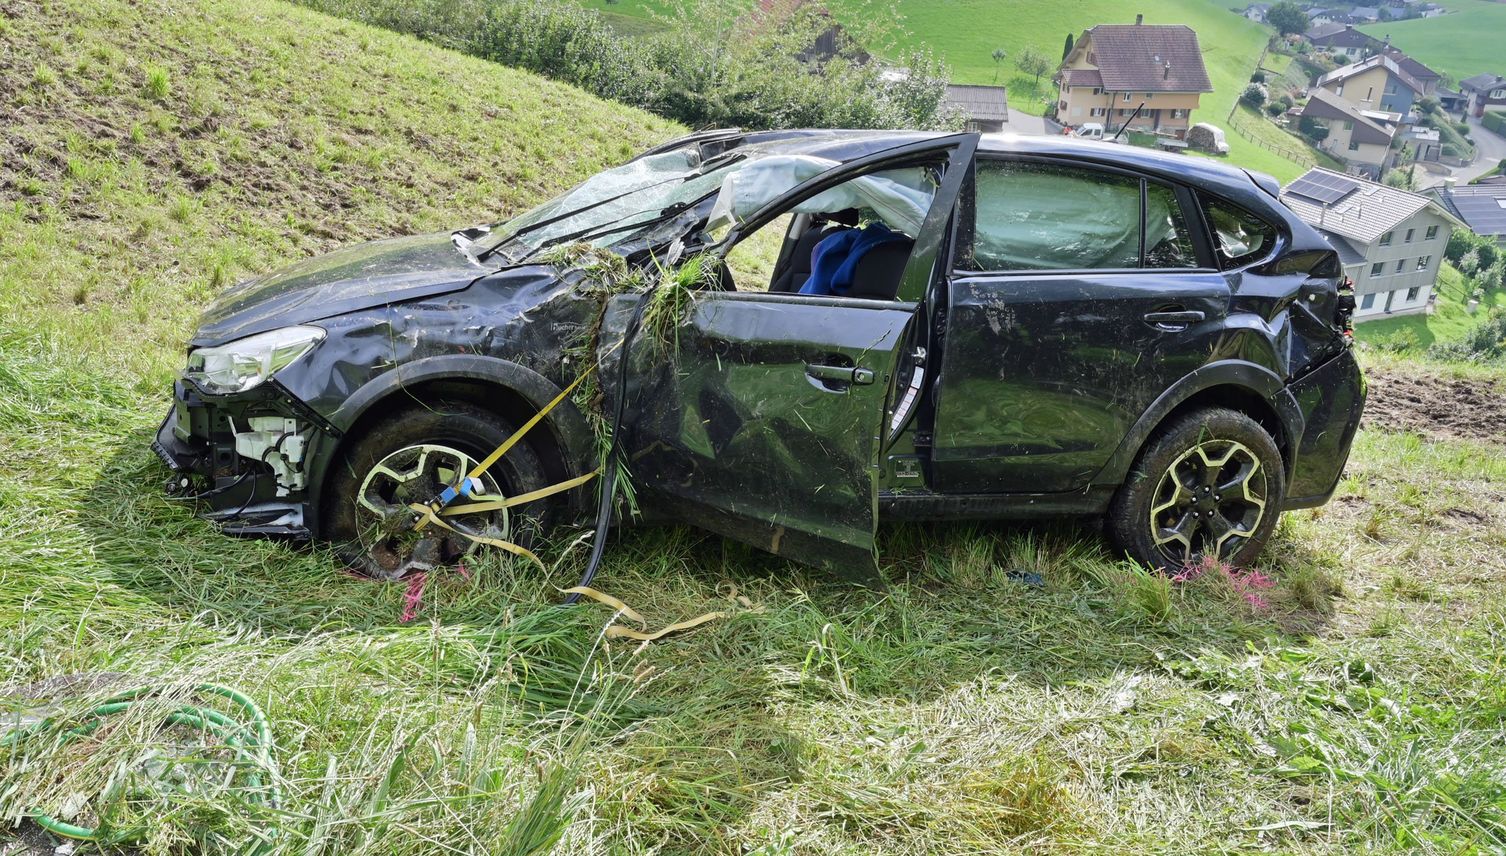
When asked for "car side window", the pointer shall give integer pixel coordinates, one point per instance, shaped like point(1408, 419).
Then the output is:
point(1030, 216)
point(1239, 237)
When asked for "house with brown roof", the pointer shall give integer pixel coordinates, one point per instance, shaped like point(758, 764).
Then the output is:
point(1360, 138)
point(1485, 92)
point(1115, 68)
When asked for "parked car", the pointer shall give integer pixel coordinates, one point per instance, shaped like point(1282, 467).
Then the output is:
point(951, 326)
point(1089, 131)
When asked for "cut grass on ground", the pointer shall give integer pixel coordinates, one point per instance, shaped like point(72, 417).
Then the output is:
point(1353, 704)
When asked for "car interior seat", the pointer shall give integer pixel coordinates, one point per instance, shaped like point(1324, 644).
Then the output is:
point(798, 267)
point(879, 271)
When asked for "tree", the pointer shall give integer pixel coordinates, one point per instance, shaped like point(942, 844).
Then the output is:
point(1033, 62)
point(1254, 95)
point(1288, 18)
point(1067, 48)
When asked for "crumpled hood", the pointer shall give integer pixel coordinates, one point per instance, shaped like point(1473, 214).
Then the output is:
point(346, 280)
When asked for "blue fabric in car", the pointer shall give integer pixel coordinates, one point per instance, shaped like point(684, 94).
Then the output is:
point(836, 258)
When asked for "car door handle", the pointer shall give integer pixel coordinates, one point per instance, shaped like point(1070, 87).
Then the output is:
point(840, 374)
point(1173, 320)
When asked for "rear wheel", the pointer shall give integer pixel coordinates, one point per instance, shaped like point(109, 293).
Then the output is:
point(1209, 484)
point(409, 457)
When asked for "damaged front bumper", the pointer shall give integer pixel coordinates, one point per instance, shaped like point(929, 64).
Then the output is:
point(246, 459)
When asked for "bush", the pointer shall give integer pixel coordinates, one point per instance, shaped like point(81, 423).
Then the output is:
point(1462, 243)
point(1494, 120)
point(1257, 77)
point(1254, 95)
point(1312, 129)
point(1275, 108)
point(1485, 341)
point(709, 70)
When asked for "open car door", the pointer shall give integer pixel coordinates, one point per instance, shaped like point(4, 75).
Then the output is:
point(762, 420)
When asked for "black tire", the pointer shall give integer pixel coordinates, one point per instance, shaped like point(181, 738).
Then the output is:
point(460, 427)
point(1226, 492)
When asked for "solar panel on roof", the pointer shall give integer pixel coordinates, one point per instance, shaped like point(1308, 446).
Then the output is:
point(1323, 188)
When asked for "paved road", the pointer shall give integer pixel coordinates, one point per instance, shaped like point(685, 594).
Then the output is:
point(1491, 151)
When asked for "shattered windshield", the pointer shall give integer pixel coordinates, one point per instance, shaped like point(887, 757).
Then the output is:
point(636, 192)
point(610, 207)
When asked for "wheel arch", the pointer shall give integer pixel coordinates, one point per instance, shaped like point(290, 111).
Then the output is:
point(562, 440)
point(1242, 386)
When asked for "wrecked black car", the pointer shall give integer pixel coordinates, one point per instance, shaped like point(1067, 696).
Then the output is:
point(894, 326)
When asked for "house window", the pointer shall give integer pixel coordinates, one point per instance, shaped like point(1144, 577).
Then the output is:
point(1423, 262)
point(1498, 93)
point(1385, 240)
point(1408, 238)
point(1354, 146)
point(1369, 93)
point(1179, 114)
point(1368, 301)
point(1149, 95)
point(1431, 233)
point(1098, 111)
point(1378, 269)
point(1128, 96)
point(1348, 125)
point(1401, 265)
point(1098, 90)
point(1412, 293)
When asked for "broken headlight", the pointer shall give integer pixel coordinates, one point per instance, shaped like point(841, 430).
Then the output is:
point(244, 363)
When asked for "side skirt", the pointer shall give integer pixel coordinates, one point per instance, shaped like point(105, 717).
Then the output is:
point(925, 505)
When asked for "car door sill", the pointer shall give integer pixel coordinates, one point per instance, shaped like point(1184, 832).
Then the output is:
point(927, 505)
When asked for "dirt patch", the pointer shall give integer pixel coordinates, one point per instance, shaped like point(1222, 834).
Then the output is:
point(1432, 406)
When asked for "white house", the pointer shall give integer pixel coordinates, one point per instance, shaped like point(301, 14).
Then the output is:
point(1390, 241)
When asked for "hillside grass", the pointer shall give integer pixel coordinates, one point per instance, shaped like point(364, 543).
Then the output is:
point(1463, 43)
point(1353, 705)
point(1449, 322)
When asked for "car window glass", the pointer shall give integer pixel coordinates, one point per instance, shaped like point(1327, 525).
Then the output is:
point(1168, 244)
point(1238, 236)
point(1046, 217)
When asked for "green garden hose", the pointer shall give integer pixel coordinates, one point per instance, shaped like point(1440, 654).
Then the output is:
point(251, 740)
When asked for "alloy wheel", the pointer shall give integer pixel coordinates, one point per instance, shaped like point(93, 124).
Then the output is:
point(384, 520)
point(1209, 502)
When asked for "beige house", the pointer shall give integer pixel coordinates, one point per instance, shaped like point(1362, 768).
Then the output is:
point(1115, 68)
point(1360, 138)
point(1390, 241)
point(1378, 83)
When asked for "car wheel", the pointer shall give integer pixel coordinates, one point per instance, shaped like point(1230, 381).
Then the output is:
point(411, 456)
point(1209, 483)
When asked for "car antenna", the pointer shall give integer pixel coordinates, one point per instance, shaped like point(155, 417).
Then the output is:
point(1125, 126)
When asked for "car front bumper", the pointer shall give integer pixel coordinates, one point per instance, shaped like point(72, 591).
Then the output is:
point(247, 459)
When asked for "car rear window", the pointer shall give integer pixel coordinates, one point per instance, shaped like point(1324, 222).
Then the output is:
point(1239, 237)
point(1030, 216)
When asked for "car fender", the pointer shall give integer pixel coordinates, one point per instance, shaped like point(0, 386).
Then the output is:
point(1241, 374)
point(566, 421)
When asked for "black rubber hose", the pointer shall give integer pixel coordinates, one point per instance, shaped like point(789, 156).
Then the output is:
point(609, 465)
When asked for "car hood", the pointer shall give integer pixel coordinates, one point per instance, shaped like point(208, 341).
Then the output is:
point(346, 280)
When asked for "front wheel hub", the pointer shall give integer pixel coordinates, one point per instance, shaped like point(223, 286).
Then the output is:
point(1210, 502)
point(384, 520)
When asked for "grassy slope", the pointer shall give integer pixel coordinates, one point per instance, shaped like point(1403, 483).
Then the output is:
point(1450, 321)
point(1357, 708)
point(1461, 44)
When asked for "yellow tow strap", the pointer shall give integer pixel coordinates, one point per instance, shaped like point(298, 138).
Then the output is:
point(617, 631)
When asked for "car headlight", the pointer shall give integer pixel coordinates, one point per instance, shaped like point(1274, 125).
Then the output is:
point(244, 363)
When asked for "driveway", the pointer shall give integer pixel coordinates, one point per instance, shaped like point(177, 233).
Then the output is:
point(1491, 150)
point(1021, 122)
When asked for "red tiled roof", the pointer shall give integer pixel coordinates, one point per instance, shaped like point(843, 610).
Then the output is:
point(1149, 58)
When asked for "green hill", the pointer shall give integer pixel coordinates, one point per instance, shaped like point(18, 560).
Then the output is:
point(965, 34)
point(1463, 43)
point(154, 152)
point(1014, 689)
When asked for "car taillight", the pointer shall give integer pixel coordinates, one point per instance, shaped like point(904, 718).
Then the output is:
point(1343, 313)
